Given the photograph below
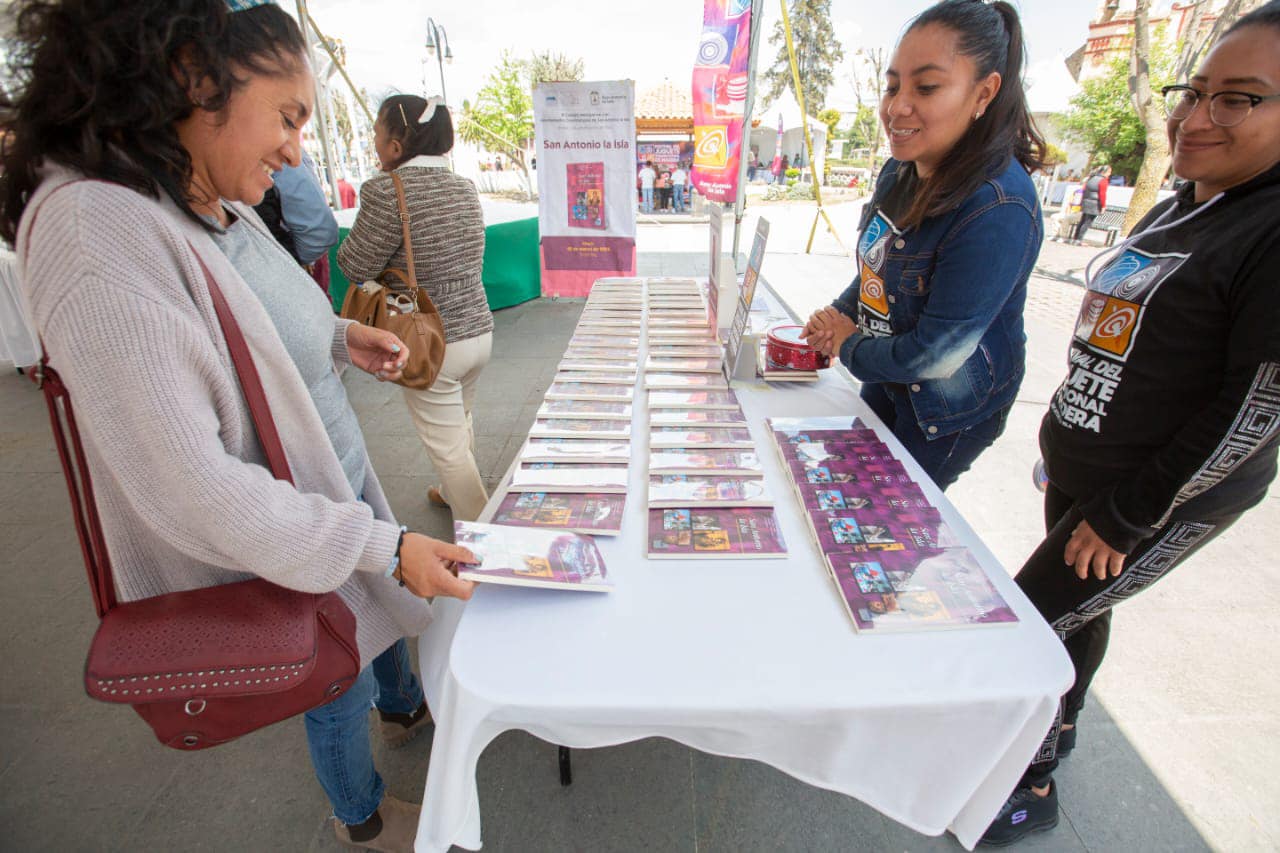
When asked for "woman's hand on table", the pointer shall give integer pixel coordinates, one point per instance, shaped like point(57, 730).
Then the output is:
point(428, 567)
point(1086, 551)
point(377, 351)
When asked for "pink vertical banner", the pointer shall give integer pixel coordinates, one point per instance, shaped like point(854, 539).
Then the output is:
point(720, 82)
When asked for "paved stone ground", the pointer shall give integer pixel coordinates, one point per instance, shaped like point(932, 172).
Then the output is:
point(1174, 747)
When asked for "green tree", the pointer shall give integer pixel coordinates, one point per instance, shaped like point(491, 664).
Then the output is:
point(550, 67)
point(818, 52)
point(500, 119)
point(1102, 119)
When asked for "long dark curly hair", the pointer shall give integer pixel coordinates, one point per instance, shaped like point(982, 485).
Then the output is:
point(99, 84)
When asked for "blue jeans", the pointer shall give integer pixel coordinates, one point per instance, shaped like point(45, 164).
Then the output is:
point(646, 193)
point(678, 198)
point(943, 458)
point(338, 733)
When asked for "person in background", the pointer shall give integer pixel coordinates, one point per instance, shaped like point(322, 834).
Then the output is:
point(662, 188)
point(412, 137)
point(297, 212)
point(678, 180)
point(1093, 200)
point(1165, 430)
point(932, 323)
point(346, 194)
point(647, 177)
point(141, 134)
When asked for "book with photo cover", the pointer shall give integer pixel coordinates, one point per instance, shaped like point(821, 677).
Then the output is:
point(871, 475)
point(595, 410)
point(690, 349)
point(694, 400)
point(682, 365)
point(836, 423)
point(683, 490)
point(599, 354)
point(829, 452)
point(830, 497)
point(678, 381)
point(696, 418)
point(710, 461)
point(728, 438)
point(595, 378)
point(917, 591)
point(563, 390)
point(576, 450)
point(881, 530)
point(629, 341)
point(569, 477)
point(725, 532)
point(579, 428)
point(617, 365)
point(665, 335)
point(769, 373)
point(594, 515)
point(526, 556)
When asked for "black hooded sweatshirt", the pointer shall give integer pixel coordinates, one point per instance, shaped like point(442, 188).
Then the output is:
point(1172, 399)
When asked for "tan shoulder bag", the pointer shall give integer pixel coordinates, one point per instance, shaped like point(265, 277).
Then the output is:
point(396, 303)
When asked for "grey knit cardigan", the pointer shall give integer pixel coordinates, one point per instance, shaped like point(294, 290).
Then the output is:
point(447, 228)
point(180, 480)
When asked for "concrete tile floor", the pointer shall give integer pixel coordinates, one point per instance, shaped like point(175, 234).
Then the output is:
point(1174, 750)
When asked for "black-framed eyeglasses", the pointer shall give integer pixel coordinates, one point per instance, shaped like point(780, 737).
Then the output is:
point(1226, 109)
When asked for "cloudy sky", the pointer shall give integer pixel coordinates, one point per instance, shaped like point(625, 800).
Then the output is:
point(644, 42)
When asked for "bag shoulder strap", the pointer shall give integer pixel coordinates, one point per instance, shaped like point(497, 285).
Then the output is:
point(75, 466)
point(404, 229)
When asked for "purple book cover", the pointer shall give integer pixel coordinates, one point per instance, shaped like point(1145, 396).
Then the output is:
point(687, 461)
point(694, 400)
point(525, 556)
point(686, 418)
point(918, 590)
point(682, 365)
point(588, 391)
point(679, 437)
point(881, 529)
point(824, 452)
point(828, 497)
point(682, 490)
point(588, 409)
point(871, 475)
point(715, 532)
point(591, 514)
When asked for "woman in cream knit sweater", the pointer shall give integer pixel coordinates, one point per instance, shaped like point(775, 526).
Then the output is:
point(125, 172)
point(411, 136)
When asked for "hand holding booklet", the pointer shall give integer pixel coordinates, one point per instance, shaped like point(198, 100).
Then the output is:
point(522, 556)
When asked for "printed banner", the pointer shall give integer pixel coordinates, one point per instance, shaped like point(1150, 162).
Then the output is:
point(584, 137)
point(720, 78)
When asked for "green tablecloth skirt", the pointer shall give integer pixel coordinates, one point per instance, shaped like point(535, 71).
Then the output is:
point(511, 268)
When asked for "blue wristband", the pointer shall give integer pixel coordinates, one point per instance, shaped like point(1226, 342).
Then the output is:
point(395, 559)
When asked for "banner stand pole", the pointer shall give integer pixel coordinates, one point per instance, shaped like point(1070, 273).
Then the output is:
point(753, 55)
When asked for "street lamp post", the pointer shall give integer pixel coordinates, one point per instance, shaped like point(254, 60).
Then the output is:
point(438, 45)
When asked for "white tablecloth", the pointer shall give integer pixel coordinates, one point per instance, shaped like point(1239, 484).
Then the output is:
point(744, 658)
point(18, 341)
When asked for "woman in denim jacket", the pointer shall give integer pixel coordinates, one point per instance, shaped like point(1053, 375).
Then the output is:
point(932, 323)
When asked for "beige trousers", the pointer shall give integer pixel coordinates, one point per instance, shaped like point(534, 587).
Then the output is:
point(442, 415)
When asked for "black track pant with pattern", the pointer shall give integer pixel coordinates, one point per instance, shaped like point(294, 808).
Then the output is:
point(1080, 610)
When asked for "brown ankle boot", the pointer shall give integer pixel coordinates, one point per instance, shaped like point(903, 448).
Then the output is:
point(436, 498)
point(391, 829)
point(399, 729)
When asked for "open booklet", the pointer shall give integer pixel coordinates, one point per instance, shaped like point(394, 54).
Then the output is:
point(523, 556)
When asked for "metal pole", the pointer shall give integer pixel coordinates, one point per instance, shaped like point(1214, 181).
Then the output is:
point(739, 204)
point(322, 110)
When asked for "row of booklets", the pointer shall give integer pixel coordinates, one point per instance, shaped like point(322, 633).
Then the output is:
point(897, 565)
point(706, 492)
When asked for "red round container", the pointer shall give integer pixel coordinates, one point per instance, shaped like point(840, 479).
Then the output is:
point(786, 349)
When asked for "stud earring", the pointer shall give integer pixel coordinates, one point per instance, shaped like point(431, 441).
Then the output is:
point(977, 116)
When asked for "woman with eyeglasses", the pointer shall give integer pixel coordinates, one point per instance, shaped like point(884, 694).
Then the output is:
point(1165, 430)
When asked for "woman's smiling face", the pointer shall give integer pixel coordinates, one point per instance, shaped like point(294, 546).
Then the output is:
point(931, 96)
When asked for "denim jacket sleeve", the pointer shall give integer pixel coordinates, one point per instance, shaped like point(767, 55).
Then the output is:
point(978, 265)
